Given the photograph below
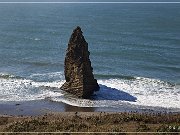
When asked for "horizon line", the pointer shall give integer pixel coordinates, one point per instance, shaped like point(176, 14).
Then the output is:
point(88, 2)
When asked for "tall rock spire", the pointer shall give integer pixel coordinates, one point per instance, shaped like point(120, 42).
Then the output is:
point(78, 71)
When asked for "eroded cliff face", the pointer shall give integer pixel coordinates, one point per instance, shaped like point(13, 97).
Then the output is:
point(78, 71)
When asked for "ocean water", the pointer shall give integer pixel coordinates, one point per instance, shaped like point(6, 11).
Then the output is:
point(134, 50)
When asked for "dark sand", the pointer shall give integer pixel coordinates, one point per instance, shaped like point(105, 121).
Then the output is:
point(40, 107)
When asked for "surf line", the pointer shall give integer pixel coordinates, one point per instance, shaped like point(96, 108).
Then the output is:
point(71, 2)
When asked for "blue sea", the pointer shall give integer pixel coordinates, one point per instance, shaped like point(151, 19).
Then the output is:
point(134, 52)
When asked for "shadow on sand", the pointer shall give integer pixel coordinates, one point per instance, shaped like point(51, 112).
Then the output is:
point(108, 93)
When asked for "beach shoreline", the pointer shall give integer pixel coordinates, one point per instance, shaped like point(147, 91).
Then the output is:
point(48, 116)
point(42, 107)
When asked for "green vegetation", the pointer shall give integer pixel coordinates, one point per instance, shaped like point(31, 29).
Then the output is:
point(93, 122)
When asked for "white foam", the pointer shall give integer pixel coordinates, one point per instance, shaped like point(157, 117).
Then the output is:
point(113, 92)
point(56, 84)
point(37, 39)
point(149, 92)
point(47, 76)
point(25, 90)
point(6, 75)
point(89, 103)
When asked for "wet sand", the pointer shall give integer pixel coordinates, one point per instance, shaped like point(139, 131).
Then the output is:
point(41, 107)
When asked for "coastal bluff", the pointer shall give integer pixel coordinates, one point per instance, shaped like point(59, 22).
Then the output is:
point(77, 69)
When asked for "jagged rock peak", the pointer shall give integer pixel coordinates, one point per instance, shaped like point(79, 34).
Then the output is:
point(77, 69)
point(77, 36)
point(77, 30)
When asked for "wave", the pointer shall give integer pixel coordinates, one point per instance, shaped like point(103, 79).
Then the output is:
point(47, 76)
point(41, 63)
point(37, 39)
point(19, 89)
point(136, 92)
point(33, 38)
point(139, 92)
point(175, 68)
point(105, 76)
point(149, 92)
point(8, 76)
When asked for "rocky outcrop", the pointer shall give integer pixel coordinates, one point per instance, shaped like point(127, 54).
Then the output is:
point(78, 71)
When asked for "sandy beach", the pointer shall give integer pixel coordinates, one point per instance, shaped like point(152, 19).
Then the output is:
point(41, 107)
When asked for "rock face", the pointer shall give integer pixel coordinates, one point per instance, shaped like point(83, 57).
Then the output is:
point(78, 71)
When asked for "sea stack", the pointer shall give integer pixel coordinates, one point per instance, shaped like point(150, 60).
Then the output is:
point(77, 69)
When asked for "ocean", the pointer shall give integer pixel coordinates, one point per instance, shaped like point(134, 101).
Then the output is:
point(134, 51)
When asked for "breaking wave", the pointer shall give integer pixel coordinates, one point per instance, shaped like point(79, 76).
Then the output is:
point(18, 89)
point(134, 92)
